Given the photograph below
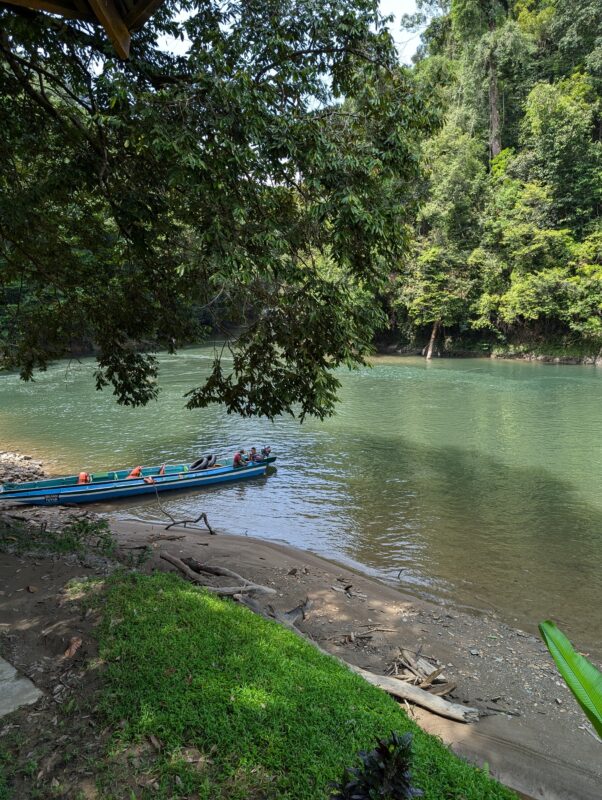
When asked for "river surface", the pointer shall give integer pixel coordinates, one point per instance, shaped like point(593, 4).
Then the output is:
point(475, 482)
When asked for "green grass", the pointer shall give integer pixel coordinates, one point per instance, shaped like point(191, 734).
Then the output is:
point(273, 717)
point(4, 790)
point(80, 536)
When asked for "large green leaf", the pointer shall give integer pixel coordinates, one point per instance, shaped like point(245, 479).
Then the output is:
point(582, 678)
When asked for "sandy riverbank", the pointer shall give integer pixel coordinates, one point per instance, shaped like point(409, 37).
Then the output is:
point(532, 735)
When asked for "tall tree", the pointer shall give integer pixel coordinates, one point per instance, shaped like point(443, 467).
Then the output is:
point(262, 178)
point(518, 166)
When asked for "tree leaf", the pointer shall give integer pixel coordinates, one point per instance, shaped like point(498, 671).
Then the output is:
point(581, 676)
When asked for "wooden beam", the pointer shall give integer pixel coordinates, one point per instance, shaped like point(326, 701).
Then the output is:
point(108, 16)
point(140, 12)
point(82, 7)
point(62, 7)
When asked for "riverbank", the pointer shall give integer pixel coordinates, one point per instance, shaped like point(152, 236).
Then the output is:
point(541, 355)
point(532, 735)
point(152, 689)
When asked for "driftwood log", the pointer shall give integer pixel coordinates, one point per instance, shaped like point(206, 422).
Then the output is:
point(418, 696)
point(224, 572)
point(224, 591)
point(184, 522)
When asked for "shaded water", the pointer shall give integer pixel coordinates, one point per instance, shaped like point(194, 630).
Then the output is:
point(479, 480)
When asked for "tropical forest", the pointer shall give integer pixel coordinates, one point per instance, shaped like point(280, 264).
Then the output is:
point(300, 399)
point(506, 247)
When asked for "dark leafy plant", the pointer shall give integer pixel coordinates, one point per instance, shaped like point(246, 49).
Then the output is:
point(383, 775)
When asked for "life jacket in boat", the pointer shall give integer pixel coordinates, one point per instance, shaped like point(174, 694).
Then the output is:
point(83, 477)
point(135, 473)
point(162, 470)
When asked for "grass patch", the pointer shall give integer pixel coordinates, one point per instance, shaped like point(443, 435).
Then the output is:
point(242, 708)
point(4, 762)
point(81, 536)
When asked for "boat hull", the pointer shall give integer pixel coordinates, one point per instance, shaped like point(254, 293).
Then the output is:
point(116, 490)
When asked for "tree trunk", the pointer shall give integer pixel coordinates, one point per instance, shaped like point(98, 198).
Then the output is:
point(434, 332)
point(495, 133)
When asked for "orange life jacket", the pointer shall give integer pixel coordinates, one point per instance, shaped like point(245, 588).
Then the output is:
point(135, 473)
point(83, 477)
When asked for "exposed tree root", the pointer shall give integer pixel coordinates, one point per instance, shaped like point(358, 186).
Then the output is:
point(225, 591)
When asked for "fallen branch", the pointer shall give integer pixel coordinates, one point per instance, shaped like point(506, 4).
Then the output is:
point(442, 688)
point(294, 616)
point(418, 696)
point(183, 522)
point(224, 591)
point(430, 678)
point(134, 547)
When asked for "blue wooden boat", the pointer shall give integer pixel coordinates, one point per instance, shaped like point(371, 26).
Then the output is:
point(115, 485)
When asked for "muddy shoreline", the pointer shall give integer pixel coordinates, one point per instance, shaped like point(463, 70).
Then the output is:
point(531, 734)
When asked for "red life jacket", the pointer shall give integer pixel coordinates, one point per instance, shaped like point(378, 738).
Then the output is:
point(135, 473)
point(83, 477)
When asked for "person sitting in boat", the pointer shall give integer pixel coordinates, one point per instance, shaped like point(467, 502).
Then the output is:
point(240, 459)
point(135, 473)
point(265, 452)
point(84, 477)
point(253, 455)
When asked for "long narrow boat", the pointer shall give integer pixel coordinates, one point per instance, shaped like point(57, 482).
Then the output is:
point(115, 484)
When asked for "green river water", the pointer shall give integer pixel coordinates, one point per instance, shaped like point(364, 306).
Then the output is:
point(475, 482)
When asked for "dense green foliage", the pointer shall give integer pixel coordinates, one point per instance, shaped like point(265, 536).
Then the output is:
point(270, 177)
point(271, 716)
point(508, 244)
point(263, 178)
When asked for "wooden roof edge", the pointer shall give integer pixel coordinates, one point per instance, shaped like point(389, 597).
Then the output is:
point(141, 13)
point(109, 17)
point(65, 9)
point(106, 12)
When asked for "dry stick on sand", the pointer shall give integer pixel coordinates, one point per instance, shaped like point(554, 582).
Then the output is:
point(219, 590)
point(183, 522)
point(403, 691)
